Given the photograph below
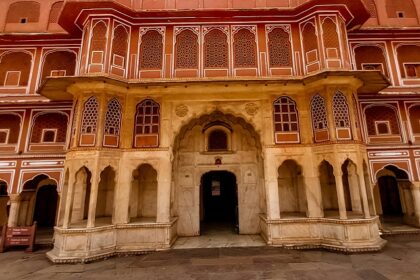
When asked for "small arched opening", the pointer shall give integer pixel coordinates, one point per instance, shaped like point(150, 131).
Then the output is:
point(395, 203)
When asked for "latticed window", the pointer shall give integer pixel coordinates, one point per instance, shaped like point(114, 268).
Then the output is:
point(113, 118)
point(147, 117)
point(380, 114)
point(55, 11)
point(285, 115)
point(46, 124)
point(244, 49)
point(23, 12)
point(341, 110)
point(151, 50)
point(216, 49)
point(186, 50)
point(119, 46)
point(60, 61)
point(90, 116)
point(319, 113)
point(330, 34)
point(279, 48)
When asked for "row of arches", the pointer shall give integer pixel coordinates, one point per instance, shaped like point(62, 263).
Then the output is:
point(29, 12)
point(16, 66)
point(376, 57)
point(80, 199)
point(37, 202)
point(390, 196)
point(343, 184)
point(46, 128)
point(394, 9)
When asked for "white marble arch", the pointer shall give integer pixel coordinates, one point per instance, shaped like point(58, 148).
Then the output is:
point(192, 161)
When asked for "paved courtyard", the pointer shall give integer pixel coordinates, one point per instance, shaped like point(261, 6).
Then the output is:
point(399, 260)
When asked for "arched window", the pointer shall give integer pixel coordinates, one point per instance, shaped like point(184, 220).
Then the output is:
point(3, 188)
point(113, 118)
point(49, 127)
point(341, 111)
point(15, 68)
point(186, 50)
point(285, 115)
point(218, 140)
point(55, 11)
point(59, 63)
point(151, 51)
point(371, 57)
point(409, 61)
point(310, 45)
point(90, 116)
point(23, 12)
point(119, 49)
point(98, 46)
point(415, 118)
point(9, 128)
point(216, 49)
point(147, 124)
point(330, 38)
point(244, 49)
point(279, 48)
point(382, 120)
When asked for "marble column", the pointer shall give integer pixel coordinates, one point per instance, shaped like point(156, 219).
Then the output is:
point(123, 194)
point(363, 193)
point(93, 199)
point(68, 203)
point(14, 210)
point(340, 195)
point(314, 197)
point(271, 187)
point(415, 189)
point(164, 191)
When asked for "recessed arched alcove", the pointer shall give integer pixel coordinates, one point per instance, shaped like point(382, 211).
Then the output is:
point(239, 152)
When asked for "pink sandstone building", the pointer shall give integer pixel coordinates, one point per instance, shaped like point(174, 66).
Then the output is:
point(125, 124)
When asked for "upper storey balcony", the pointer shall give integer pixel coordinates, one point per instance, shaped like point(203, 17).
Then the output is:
point(128, 43)
point(28, 16)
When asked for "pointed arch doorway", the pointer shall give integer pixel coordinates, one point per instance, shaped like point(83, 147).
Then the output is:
point(218, 203)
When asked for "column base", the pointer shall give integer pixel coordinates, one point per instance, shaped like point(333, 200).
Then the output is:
point(79, 245)
point(348, 236)
point(412, 220)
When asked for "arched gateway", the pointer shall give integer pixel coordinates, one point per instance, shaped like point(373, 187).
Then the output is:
point(206, 178)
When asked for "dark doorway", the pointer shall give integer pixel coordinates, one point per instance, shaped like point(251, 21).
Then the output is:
point(390, 196)
point(219, 201)
point(46, 206)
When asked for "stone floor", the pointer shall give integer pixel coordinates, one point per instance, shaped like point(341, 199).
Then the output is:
point(399, 260)
point(218, 235)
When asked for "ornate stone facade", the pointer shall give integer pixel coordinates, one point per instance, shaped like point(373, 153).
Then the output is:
point(304, 132)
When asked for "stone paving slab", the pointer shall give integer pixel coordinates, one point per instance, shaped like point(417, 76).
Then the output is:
point(400, 260)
